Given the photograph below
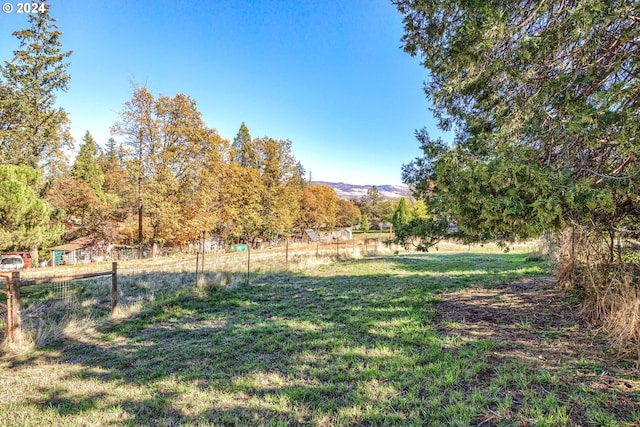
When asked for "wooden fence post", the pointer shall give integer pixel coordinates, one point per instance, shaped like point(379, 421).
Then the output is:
point(9, 316)
point(114, 287)
point(16, 321)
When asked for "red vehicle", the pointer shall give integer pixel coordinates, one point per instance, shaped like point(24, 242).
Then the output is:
point(26, 257)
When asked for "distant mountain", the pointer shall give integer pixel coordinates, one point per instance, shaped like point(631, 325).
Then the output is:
point(352, 191)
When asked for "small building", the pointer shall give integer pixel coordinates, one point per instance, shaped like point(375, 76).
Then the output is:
point(77, 251)
point(312, 235)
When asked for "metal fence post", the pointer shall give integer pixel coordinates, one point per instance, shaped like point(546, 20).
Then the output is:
point(203, 244)
point(197, 265)
point(114, 286)
point(249, 263)
point(16, 321)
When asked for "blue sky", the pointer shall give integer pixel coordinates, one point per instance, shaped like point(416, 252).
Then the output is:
point(328, 75)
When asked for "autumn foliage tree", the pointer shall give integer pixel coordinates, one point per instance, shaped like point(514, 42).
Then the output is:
point(348, 214)
point(176, 164)
point(318, 207)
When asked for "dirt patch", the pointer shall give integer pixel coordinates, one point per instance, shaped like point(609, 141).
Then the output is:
point(533, 322)
point(529, 319)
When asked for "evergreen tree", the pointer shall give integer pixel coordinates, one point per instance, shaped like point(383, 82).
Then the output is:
point(401, 215)
point(24, 216)
point(35, 131)
point(86, 166)
point(244, 149)
point(111, 152)
point(281, 183)
point(301, 172)
point(364, 223)
point(543, 98)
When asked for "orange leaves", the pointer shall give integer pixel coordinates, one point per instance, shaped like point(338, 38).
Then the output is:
point(318, 206)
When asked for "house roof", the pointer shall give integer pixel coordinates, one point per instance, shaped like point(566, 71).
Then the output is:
point(79, 243)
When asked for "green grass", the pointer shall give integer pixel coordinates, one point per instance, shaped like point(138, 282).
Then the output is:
point(353, 343)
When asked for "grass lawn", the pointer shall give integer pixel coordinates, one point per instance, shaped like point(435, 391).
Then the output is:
point(450, 339)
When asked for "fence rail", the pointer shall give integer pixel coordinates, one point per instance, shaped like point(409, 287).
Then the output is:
point(54, 279)
point(14, 285)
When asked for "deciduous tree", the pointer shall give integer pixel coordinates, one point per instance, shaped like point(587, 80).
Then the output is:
point(84, 213)
point(370, 204)
point(318, 207)
point(240, 202)
point(348, 213)
point(176, 161)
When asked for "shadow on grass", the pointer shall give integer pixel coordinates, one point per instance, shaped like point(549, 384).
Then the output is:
point(357, 343)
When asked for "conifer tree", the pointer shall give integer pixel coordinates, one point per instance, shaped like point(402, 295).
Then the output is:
point(86, 166)
point(34, 131)
point(281, 185)
point(24, 216)
point(364, 223)
point(543, 100)
point(244, 149)
point(402, 215)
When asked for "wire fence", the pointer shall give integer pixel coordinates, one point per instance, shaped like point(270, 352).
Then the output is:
point(55, 297)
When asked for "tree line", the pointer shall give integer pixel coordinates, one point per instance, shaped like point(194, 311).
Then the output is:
point(163, 179)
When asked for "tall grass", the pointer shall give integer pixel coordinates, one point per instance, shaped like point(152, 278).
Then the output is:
point(609, 284)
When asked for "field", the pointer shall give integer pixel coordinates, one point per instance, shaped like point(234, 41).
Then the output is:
point(478, 337)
